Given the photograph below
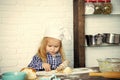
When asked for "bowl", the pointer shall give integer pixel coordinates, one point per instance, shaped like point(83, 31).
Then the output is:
point(14, 76)
point(109, 64)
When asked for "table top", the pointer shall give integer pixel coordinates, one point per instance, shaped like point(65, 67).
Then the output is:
point(87, 77)
point(80, 76)
point(83, 76)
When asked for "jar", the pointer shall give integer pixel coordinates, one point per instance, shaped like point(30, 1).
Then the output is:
point(98, 8)
point(107, 8)
point(89, 8)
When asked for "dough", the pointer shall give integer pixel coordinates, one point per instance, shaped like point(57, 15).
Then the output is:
point(67, 70)
point(31, 73)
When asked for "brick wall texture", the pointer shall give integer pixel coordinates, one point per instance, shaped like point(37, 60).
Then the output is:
point(22, 25)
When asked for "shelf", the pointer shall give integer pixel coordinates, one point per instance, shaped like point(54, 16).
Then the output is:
point(79, 20)
point(102, 15)
point(103, 45)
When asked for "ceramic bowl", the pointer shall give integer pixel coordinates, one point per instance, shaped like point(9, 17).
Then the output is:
point(109, 64)
point(14, 76)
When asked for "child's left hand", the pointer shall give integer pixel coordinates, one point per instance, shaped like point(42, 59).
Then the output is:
point(46, 66)
point(62, 65)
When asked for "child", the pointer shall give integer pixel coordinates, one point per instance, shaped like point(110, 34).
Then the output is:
point(50, 53)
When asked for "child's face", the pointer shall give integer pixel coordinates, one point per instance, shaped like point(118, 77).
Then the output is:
point(53, 45)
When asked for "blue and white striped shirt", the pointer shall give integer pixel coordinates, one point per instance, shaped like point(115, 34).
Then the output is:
point(55, 61)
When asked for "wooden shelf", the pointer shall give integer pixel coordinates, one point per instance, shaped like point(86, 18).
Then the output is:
point(102, 15)
point(79, 31)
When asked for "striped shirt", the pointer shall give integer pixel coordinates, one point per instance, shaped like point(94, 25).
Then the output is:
point(54, 61)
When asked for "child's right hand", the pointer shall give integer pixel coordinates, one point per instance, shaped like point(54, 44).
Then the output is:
point(46, 66)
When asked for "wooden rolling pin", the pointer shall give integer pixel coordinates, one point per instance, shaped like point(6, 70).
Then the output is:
point(106, 74)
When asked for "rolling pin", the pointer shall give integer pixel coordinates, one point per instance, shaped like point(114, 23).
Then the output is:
point(106, 74)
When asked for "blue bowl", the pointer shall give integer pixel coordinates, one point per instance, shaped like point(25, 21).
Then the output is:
point(14, 76)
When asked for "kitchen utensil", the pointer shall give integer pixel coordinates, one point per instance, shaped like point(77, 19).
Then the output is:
point(74, 71)
point(109, 64)
point(90, 40)
point(106, 74)
point(111, 38)
point(98, 39)
point(14, 76)
point(116, 38)
point(119, 38)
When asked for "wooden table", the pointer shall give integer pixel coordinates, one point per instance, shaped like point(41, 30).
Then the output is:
point(87, 77)
point(83, 76)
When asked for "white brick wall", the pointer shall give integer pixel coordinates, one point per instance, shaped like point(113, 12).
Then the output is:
point(22, 24)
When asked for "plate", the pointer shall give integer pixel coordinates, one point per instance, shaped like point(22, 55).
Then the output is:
point(75, 71)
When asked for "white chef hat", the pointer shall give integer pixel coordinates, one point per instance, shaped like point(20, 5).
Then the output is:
point(57, 32)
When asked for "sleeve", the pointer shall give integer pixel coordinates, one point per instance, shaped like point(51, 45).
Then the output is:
point(36, 63)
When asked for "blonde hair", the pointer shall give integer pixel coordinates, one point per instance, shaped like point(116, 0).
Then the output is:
point(42, 50)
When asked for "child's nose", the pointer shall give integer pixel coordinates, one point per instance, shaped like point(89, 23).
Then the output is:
point(52, 48)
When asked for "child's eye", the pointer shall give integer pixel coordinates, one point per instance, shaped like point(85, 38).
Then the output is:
point(56, 46)
point(49, 45)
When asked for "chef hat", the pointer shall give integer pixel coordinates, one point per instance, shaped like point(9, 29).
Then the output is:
point(57, 32)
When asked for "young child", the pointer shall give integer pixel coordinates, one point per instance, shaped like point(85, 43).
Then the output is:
point(50, 53)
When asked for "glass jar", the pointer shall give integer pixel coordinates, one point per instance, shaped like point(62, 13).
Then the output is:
point(107, 8)
point(98, 8)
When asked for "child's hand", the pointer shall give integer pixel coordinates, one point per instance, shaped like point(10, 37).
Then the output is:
point(62, 65)
point(46, 66)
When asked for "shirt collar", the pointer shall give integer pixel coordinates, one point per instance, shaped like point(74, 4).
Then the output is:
point(56, 55)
